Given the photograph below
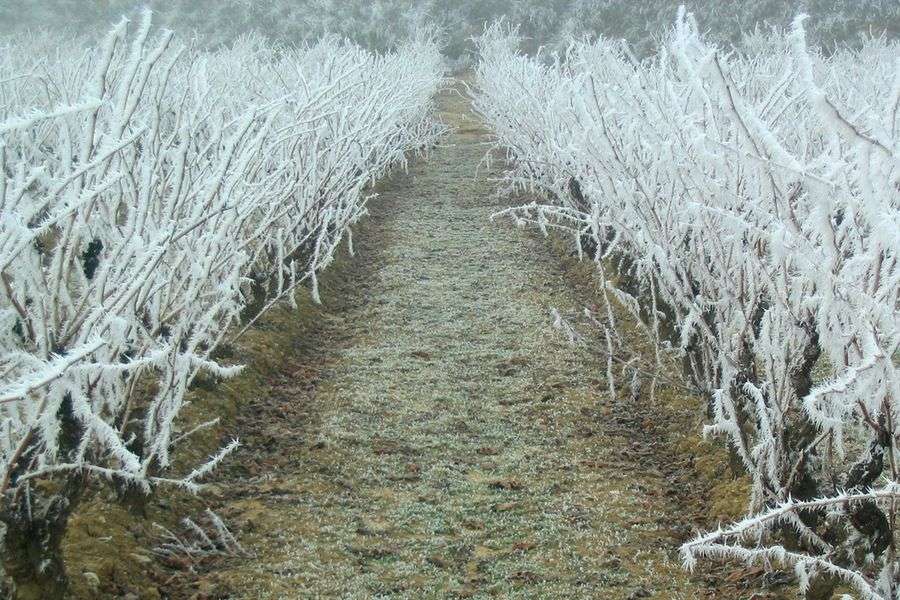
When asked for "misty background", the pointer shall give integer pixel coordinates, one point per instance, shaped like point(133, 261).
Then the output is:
point(382, 24)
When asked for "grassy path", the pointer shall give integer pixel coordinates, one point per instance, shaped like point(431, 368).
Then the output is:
point(453, 445)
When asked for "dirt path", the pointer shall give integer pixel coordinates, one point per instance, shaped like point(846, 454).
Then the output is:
point(454, 445)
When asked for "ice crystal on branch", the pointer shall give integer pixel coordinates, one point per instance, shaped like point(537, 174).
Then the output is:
point(155, 198)
point(749, 205)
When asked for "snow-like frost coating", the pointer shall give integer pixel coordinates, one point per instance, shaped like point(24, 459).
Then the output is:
point(754, 195)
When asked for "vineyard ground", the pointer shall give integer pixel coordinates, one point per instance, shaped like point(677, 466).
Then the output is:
point(428, 434)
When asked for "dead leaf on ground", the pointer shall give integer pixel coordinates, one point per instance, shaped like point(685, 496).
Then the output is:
point(508, 484)
point(526, 577)
point(524, 546)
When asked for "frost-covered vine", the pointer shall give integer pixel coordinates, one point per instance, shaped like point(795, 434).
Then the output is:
point(750, 204)
point(153, 195)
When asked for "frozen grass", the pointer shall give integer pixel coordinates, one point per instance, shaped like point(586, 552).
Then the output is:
point(455, 450)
